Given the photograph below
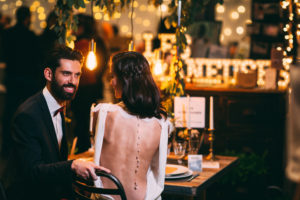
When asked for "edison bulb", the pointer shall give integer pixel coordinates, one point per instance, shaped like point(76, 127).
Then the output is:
point(91, 61)
point(158, 68)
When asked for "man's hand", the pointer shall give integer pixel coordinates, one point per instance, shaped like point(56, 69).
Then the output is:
point(86, 169)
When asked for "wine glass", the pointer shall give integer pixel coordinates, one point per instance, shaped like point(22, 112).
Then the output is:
point(179, 150)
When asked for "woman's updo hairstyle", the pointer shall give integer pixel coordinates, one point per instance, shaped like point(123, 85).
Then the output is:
point(140, 94)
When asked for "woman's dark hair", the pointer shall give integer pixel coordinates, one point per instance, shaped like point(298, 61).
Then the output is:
point(140, 94)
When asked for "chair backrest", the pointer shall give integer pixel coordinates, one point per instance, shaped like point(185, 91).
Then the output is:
point(2, 192)
point(84, 189)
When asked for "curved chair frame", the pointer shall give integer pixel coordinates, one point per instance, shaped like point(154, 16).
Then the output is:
point(83, 188)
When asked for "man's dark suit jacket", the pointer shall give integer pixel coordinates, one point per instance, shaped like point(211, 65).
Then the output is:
point(42, 170)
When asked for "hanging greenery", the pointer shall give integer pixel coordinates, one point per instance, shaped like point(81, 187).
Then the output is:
point(190, 9)
point(67, 21)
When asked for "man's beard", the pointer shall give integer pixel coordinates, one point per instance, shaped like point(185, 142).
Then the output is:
point(60, 93)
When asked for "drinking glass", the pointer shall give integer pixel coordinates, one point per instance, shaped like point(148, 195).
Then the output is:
point(179, 150)
point(194, 142)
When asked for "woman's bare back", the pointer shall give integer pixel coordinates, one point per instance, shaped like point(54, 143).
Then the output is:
point(129, 145)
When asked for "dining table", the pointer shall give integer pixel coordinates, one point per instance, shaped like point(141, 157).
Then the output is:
point(196, 188)
point(191, 187)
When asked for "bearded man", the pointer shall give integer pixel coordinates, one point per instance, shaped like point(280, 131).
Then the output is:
point(38, 135)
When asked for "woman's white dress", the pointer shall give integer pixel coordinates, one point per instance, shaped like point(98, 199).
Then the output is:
point(156, 170)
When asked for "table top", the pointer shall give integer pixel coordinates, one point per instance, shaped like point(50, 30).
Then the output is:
point(204, 180)
point(194, 187)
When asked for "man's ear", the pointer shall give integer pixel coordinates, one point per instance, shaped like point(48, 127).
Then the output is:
point(48, 74)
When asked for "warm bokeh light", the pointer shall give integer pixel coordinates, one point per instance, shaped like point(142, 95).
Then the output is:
point(135, 4)
point(124, 29)
point(4, 7)
point(116, 15)
point(98, 16)
point(42, 16)
point(43, 24)
point(133, 15)
point(96, 9)
point(19, 3)
point(240, 30)
point(36, 3)
point(82, 10)
point(227, 31)
point(241, 9)
point(164, 8)
point(143, 8)
point(158, 68)
point(220, 8)
point(106, 17)
point(91, 61)
point(235, 15)
point(151, 8)
point(146, 22)
point(40, 9)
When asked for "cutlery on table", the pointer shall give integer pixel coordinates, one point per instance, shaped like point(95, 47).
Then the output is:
point(194, 176)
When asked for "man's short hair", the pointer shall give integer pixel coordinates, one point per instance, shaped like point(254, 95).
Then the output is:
point(62, 52)
point(22, 13)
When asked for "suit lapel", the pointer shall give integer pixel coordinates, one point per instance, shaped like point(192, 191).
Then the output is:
point(48, 122)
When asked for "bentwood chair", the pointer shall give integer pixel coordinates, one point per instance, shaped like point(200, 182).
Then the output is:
point(84, 190)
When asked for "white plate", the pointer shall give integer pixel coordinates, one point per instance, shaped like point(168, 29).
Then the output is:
point(185, 175)
point(179, 170)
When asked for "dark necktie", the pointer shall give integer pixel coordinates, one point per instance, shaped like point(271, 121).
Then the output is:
point(60, 110)
point(63, 146)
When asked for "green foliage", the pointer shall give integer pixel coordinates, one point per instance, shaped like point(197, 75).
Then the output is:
point(250, 165)
point(67, 22)
point(175, 86)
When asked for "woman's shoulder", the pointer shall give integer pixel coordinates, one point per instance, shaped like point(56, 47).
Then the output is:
point(105, 107)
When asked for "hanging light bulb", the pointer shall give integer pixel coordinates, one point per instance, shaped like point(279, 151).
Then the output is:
point(131, 46)
point(158, 63)
point(91, 61)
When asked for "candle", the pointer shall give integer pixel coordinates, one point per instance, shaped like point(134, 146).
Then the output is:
point(211, 113)
point(91, 117)
point(179, 12)
point(188, 112)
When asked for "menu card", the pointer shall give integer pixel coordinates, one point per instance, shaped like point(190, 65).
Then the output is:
point(189, 112)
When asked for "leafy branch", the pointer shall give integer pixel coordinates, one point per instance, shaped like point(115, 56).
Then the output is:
point(67, 22)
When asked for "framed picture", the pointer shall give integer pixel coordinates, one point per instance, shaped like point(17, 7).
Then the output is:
point(260, 48)
point(204, 34)
point(253, 29)
point(271, 30)
point(209, 30)
point(266, 11)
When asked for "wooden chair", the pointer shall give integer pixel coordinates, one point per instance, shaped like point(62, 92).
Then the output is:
point(84, 189)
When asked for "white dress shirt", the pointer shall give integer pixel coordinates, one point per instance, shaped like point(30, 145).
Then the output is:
point(53, 106)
